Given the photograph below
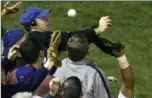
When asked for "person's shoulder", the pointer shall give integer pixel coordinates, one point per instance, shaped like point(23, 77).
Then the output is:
point(63, 66)
point(94, 69)
point(90, 71)
point(26, 69)
point(23, 73)
point(64, 62)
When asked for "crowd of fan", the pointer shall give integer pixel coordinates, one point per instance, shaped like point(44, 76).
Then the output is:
point(31, 65)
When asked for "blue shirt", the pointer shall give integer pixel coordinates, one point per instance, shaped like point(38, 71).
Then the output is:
point(24, 73)
point(30, 76)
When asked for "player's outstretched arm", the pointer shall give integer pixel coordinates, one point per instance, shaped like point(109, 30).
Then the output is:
point(92, 35)
point(128, 83)
point(127, 88)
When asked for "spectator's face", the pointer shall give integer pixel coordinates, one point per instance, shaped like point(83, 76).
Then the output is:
point(43, 24)
point(65, 90)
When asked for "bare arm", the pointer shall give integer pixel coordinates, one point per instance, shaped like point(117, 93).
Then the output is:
point(127, 88)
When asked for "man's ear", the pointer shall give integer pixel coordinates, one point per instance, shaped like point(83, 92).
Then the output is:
point(33, 25)
point(42, 54)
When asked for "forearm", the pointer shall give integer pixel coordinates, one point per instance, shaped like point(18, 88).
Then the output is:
point(128, 83)
point(92, 35)
point(4, 13)
point(127, 77)
point(89, 33)
point(104, 45)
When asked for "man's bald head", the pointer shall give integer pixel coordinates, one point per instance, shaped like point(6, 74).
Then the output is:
point(71, 88)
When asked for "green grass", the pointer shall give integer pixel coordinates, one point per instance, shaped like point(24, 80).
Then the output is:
point(132, 25)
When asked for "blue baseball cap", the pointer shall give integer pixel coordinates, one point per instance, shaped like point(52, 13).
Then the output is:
point(33, 13)
point(10, 37)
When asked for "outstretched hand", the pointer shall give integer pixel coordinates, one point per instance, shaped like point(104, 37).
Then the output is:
point(104, 24)
point(14, 8)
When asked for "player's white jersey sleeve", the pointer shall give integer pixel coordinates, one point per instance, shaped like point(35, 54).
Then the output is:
point(121, 95)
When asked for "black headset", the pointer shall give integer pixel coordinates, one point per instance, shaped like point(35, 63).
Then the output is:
point(33, 23)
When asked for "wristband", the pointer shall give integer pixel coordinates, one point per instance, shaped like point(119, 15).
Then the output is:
point(123, 62)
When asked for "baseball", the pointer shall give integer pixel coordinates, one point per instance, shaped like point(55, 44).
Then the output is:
point(72, 13)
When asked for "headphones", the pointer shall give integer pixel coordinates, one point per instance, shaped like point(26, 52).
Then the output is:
point(33, 23)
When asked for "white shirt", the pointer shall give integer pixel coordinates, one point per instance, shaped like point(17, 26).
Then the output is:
point(121, 95)
point(92, 86)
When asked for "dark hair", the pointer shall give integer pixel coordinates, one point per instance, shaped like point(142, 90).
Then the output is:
point(30, 50)
point(72, 88)
point(77, 47)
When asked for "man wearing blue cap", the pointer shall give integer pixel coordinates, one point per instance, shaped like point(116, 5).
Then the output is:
point(34, 73)
point(27, 78)
point(35, 21)
point(14, 36)
point(10, 38)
